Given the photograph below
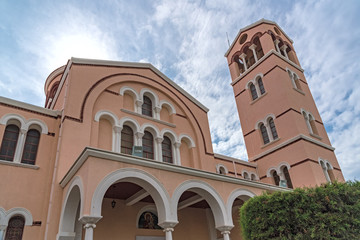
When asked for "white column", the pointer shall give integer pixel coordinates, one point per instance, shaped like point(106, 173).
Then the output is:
point(242, 56)
point(277, 45)
point(158, 156)
point(226, 235)
point(157, 112)
point(138, 104)
point(117, 140)
point(177, 159)
point(138, 138)
point(20, 146)
point(89, 225)
point(283, 48)
point(253, 47)
point(2, 231)
point(168, 233)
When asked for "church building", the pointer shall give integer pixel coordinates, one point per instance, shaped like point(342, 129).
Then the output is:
point(120, 151)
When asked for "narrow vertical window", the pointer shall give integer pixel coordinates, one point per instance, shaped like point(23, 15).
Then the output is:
point(297, 83)
point(127, 140)
point(273, 128)
point(9, 142)
point(148, 145)
point(15, 228)
point(253, 92)
point(31, 147)
point(313, 126)
point(166, 150)
point(146, 107)
point(287, 177)
point(276, 178)
point(330, 172)
point(261, 86)
point(246, 176)
point(264, 134)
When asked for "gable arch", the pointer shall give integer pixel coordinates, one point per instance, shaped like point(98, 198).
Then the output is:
point(108, 115)
point(206, 191)
point(141, 178)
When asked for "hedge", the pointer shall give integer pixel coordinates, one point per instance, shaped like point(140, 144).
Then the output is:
point(331, 211)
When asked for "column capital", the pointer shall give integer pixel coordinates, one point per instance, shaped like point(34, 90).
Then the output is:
point(168, 230)
point(157, 109)
point(225, 229)
point(89, 221)
point(23, 131)
point(159, 139)
point(277, 41)
point(253, 47)
point(139, 102)
point(283, 47)
point(168, 225)
point(243, 55)
point(117, 129)
point(177, 144)
point(139, 134)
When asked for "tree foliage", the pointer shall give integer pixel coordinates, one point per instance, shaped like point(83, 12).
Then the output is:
point(331, 211)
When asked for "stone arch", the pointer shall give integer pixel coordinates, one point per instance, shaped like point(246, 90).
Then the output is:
point(206, 191)
point(169, 133)
point(107, 115)
point(151, 128)
point(168, 106)
point(219, 166)
point(270, 170)
point(18, 211)
point(70, 208)
point(242, 194)
point(131, 122)
point(186, 138)
point(130, 91)
point(8, 118)
point(154, 98)
point(141, 178)
point(36, 124)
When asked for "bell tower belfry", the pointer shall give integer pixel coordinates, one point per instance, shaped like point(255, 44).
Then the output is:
point(282, 128)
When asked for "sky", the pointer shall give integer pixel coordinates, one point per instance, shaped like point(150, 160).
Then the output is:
point(186, 40)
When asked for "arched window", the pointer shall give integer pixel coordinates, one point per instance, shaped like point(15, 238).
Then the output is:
point(127, 140)
point(264, 134)
point(273, 128)
point(246, 176)
point(330, 172)
point(313, 126)
point(297, 83)
point(15, 228)
point(261, 86)
point(253, 177)
point(287, 177)
point(146, 107)
point(276, 178)
point(222, 170)
point(166, 150)
point(148, 145)
point(253, 91)
point(9, 142)
point(31, 147)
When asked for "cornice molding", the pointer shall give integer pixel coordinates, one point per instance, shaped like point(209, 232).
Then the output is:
point(119, 157)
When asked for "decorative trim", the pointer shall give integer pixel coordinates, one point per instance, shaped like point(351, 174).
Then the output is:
point(16, 164)
point(291, 141)
point(147, 117)
point(119, 157)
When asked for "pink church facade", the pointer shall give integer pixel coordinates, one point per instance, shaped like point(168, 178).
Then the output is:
point(120, 151)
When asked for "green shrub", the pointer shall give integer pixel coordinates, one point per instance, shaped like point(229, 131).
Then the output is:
point(331, 211)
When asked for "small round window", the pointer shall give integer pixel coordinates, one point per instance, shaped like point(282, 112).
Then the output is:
point(277, 31)
point(243, 38)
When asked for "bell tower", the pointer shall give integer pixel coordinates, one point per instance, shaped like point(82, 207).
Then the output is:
point(282, 128)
